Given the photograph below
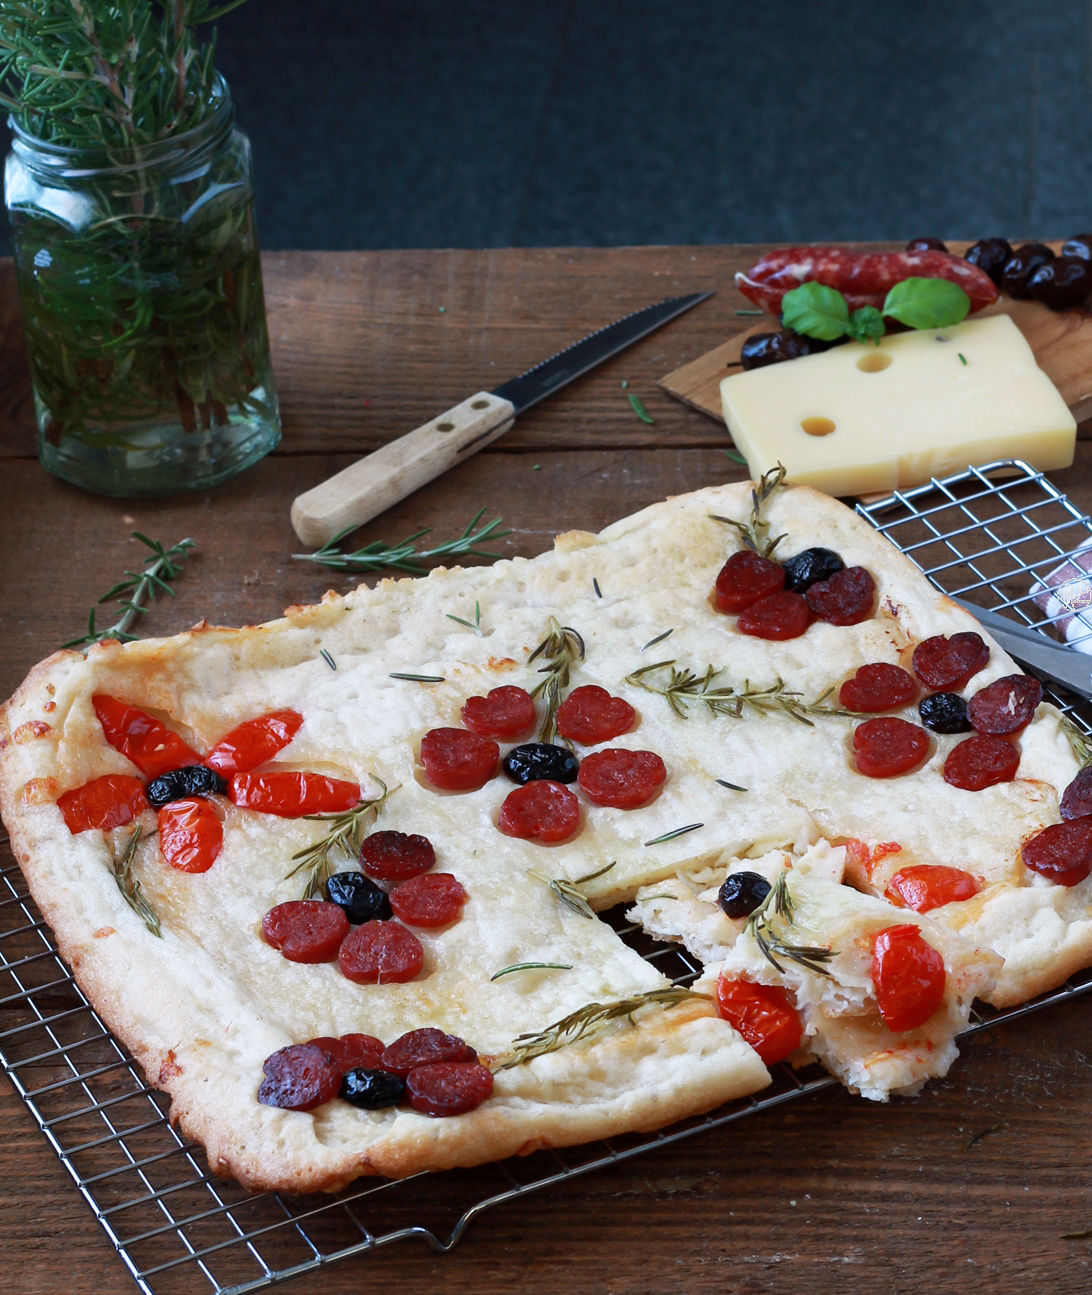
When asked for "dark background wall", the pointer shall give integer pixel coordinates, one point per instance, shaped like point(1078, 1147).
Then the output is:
point(476, 123)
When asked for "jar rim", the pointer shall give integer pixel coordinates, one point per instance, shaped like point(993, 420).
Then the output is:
point(89, 160)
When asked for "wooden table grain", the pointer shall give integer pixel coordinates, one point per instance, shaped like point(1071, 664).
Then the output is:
point(824, 1195)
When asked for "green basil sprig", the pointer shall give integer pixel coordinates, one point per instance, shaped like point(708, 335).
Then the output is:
point(824, 313)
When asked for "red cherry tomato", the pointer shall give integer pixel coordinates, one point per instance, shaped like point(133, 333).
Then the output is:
point(432, 900)
point(190, 834)
point(908, 977)
point(106, 802)
point(888, 747)
point(590, 714)
point(947, 664)
point(764, 1014)
point(377, 953)
point(621, 779)
point(152, 746)
point(254, 742)
point(1062, 852)
point(291, 795)
point(744, 579)
point(542, 810)
point(505, 713)
point(424, 1048)
point(299, 1078)
point(780, 616)
point(394, 856)
point(980, 762)
point(878, 687)
point(456, 760)
point(924, 886)
point(306, 930)
point(448, 1087)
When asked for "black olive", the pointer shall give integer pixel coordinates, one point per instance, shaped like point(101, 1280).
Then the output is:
point(944, 712)
point(742, 893)
point(1079, 245)
point(926, 245)
point(537, 760)
point(190, 780)
point(372, 1090)
point(1062, 283)
point(358, 897)
point(1021, 265)
point(806, 569)
point(772, 348)
point(990, 255)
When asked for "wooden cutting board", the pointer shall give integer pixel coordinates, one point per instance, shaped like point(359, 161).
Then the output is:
point(1061, 340)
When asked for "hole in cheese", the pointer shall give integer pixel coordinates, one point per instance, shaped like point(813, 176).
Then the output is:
point(817, 426)
point(874, 362)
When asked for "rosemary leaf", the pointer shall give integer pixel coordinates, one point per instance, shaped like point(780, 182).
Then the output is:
point(419, 678)
point(985, 1133)
point(585, 1020)
point(327, 658)
point(778, 904)
point(138, 588)
point(1080, 741)
point(130, 887)
point(561, 648)
point(750, 312)
point(531, 966)
point(684, 686)
point(640, 410)
point(755, 532)
point(732, 786)
point(566, 891)
point(736, 457)
point(595, 586)
point(670, 836)
point(406, 556)
point(344, 835)
point(659, 638)
point(475, 625)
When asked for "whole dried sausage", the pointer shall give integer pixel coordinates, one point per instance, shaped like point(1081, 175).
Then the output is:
point(448, 1087)
point(1062, 852)
point(947, 664)
point(744, 579)
point(981, 761)
point(1005, 706)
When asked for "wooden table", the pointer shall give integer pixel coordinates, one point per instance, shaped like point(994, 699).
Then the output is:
point(827, 1194)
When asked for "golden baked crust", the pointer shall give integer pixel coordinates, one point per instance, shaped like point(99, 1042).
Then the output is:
point(202, 1007)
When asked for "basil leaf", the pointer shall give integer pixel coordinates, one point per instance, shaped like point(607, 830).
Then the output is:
point(927, 303)
point(866, 325)
point(816, 310)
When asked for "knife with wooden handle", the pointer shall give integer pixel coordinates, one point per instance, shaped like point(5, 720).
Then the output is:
point(372, 484)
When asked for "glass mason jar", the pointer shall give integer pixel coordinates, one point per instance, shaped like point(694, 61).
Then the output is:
point(141, 288)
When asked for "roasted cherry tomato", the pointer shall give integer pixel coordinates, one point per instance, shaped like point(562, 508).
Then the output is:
point(254, 742)
point(291, 795)
point(505, 714)
point(764, 1014)
point(152, 746)
point(924, 886)
point(190, 835)
point(106, 802)
point(908, 977)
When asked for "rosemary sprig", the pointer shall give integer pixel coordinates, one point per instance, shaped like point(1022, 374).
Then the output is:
point(130, 887)
point(344, 837)
point(566, 891)
point(160, 566)
point(772, 943)
point(586, 1019)
point(531, 966)
point(405, 556)
point(475, 625)
point(562, 648)
point(1078, 740)
point(685, 686)
point(754, 532)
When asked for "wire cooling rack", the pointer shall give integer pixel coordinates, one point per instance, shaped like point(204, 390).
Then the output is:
point(987, 534)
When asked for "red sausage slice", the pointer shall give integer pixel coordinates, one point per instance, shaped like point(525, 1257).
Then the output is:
point(299, 1078)
point(744, 579)
point(878, 687)
point(621, 779)
point(448, 1087)
point(376, 953)
point(908, 977)
point(434, 900)
point(424, 1048)
point(1062, 852)
point(541, 810)
point(152, 746)
point(190, 834)
point(292, 795)
point(590, 714)
point(254, 742)
point(1005, 706)
point(306, 930)
point(778, 617)
point(394, 856)
point(980, 762)
point(925, 886)
point(456, 760)
point(845, 599)
point(107, 802)
point(886, 748)
point(1077, 797)
point(948, 664)
point(353, 1051)
point(505, 713)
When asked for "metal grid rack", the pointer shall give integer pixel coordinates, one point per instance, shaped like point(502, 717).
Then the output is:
point(987, 533)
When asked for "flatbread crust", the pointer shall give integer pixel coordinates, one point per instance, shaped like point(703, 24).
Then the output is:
point(202, 1007)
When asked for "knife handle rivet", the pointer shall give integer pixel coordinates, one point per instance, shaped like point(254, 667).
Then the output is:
point(479, 404)
point(445, 427)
